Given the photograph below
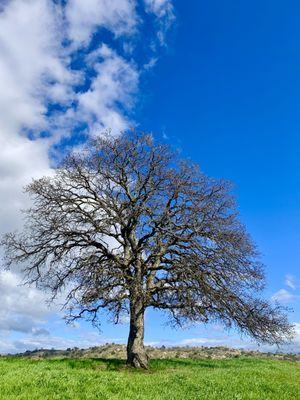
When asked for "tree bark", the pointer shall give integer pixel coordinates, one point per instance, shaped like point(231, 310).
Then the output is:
point(136, 353)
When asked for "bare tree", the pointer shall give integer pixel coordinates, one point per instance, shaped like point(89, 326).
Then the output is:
point(127, 225)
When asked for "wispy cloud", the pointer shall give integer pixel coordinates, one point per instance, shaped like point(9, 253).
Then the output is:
point(164, 11)
point(290, 281)
point(289, 295)
point(284, 296)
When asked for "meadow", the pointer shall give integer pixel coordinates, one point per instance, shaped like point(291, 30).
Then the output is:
point(239, 378)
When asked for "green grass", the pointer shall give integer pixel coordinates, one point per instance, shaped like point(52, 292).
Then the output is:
point(235, 379)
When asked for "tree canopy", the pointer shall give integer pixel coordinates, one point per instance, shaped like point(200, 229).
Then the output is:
point(125, 225)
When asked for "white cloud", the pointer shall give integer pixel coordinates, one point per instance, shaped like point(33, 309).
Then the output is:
point(213, 339)
point(116, 82)
point(43, 340)
point(295, 345)
point(23, 309)
point(202, 342)
point(20, 161)
point(32, 60)
point(164, 11)
point(292, 347)
point(151, 63)
point(29, 59)
point(284, 296)
point(290, 281)
point(83, 17)
point(25, 57)
point(159, 7)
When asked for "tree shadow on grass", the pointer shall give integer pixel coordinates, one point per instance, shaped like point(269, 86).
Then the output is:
point(155, 365)
point(112, 364)
point(98, 363)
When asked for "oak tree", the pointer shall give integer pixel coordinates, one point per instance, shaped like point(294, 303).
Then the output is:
point(126, 225)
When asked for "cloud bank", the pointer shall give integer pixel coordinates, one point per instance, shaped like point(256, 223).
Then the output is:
point(68, 70)
point(58, 77)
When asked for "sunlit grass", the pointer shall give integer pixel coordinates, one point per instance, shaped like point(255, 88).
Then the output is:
point(234, 379)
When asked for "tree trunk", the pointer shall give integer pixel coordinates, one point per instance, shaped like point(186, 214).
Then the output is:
point(136, 354)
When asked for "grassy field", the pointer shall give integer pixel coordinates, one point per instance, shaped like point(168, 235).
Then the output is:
point(235, 379)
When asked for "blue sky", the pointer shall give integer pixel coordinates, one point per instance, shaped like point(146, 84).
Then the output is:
point(217, 80)
point(227, 94)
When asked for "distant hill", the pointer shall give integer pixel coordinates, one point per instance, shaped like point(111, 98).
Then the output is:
point(112, 350)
